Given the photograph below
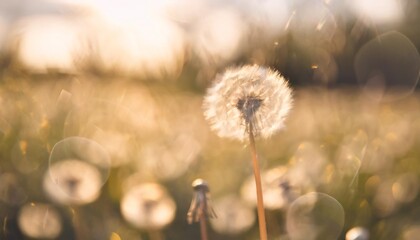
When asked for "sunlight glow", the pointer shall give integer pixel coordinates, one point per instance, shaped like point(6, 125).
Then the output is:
point(49, 42)
point(218, 36)
point(379, 11)
point(151, 45)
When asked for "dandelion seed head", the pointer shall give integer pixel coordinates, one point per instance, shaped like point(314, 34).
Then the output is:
point(200, 184)
point(39, 221)
point(244, 96)
point(148, 206)
point(201, 203)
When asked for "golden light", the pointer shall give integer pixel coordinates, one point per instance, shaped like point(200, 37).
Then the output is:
point(384, 202)
point(50, 42)
point(379, 11)
point(357, 233)
point(134, 37)
point(270, 16)
point(411, 232)
point(114, 236)
point(169, 159)
point(312, 23)
point(406, 188)
point(218, 36)
point(308, 165)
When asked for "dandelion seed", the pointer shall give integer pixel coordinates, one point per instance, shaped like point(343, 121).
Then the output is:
point(244, 96)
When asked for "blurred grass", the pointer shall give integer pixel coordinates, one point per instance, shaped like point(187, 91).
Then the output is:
point(380, 138)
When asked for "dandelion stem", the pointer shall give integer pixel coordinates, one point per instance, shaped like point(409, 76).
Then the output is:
point(260, 201)
point(155, 235)
point(203, 227)
point(78, 225)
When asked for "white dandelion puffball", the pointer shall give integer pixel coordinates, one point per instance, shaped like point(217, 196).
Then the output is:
point(39, 220)
point(148, 206)
point(73, 182)
point(248, 96)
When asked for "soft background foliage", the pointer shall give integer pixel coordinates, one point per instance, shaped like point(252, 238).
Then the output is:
point(130, 77)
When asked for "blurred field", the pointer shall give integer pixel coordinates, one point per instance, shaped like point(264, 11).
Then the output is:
point(341, 142)
point(102, 129)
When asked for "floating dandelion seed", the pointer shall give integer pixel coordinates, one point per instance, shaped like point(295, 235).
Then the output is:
point(248, 95)
point(246, 102)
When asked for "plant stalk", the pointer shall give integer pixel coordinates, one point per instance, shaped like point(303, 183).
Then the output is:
point(260, 200)
point(155, 235)
point(203, 227)
point(78, 226)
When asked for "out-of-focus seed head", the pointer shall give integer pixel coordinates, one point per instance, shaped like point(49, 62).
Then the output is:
point(148, 206)
point(357, 233)
point(201, 203)
point(200, 184)
point(247, 96)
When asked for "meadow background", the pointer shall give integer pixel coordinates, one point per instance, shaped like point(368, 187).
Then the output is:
point(130, 76)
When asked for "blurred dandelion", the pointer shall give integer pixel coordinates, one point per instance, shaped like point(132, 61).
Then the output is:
point(73, 182)
point(200, 208)
point(39, 221)
point(357, 233)
point(246, 102)
point(78, 169)
point(148, 206)
point(278, 190)
point(234, 216)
